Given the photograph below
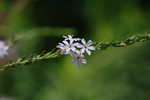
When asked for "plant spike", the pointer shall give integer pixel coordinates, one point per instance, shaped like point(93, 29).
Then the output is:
point(99, 46)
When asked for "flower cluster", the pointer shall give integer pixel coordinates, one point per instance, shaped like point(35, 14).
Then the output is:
point(3, 49)
point(77, 48)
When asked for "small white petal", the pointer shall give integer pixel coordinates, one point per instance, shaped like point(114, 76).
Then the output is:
point(77, 39)
point(73, 54)
point(60, 47)
point(60, 43)
point(67, 50)
point(78, 45)
point(79, 53)
point(65, 42)
point(83, 41)
point(69, 36)
point(88, 52)
point(84, 61)
point(65, 36)
point(76, 62)
point(73, 48)
point(91, 48)
point(89, 43)
point(82, 50)
point(71, 41)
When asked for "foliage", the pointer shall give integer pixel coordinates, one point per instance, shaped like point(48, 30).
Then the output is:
point(34, 27)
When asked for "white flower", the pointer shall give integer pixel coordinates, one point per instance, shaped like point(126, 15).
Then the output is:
point(79, 60)
point(67, 47)
point(3, 49)
point(76, 48)
point(87, 46)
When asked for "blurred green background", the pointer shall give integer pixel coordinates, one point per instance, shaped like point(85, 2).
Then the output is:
point(112, 74)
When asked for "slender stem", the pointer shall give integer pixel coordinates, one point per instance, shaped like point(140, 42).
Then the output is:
point(129, 41)
point(99, 46)
point(31, 60)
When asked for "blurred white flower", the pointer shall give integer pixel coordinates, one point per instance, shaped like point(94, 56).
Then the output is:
point(76, 48)
point(87, 47)
point(3, 49)
point(6, 98)
point(79, 60)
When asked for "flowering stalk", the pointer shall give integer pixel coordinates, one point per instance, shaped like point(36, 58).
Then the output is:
point(129, 41)
point(31, 60)
point(98, 46)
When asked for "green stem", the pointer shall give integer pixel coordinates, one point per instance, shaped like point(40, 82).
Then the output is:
point(37, 58)
point(99, 46)
point(129, 41)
